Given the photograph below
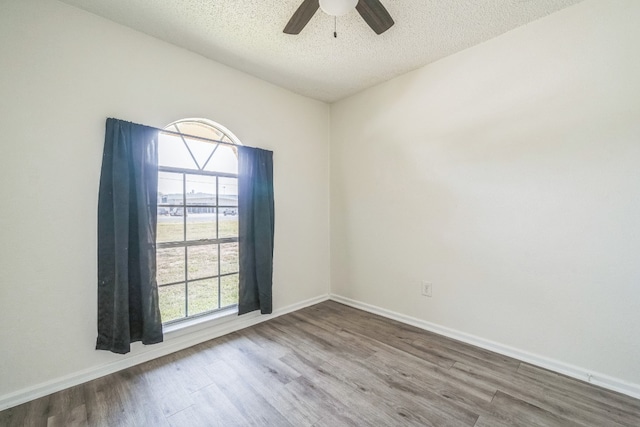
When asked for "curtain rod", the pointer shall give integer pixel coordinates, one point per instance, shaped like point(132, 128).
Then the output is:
point(202, 138)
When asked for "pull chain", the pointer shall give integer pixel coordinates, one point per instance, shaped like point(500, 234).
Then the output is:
point(335, 27)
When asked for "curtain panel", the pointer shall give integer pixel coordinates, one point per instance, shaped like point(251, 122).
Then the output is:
point(128, 309)
point(256, 229)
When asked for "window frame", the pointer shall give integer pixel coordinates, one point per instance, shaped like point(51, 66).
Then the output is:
point(185, 206)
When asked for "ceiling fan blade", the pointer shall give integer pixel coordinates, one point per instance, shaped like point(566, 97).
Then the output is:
point(374, 14)
point(302, 16)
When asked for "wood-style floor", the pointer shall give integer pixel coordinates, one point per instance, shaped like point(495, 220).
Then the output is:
point(331, 365)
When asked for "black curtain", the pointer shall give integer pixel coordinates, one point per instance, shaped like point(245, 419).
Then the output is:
point(128, 308)
point(256, 227)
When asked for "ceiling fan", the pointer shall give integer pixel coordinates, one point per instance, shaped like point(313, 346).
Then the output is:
point(372, 11)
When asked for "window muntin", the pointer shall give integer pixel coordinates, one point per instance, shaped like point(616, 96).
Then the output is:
point(197, 235)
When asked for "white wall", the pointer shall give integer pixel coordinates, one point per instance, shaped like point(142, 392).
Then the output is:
point(63, 72)
point(509, 176)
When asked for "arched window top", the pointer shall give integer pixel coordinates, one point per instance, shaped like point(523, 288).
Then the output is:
point(205, 128)
point(185, 152)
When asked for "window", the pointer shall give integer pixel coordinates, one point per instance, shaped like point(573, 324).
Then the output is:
point(197, 234)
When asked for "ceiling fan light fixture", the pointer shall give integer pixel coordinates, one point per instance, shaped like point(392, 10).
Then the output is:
point(337, 7)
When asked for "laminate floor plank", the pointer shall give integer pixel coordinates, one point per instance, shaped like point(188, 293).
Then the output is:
point(571, 407)
point(359, 375)
point(104, 403)
point(366, 409)
point(389, 335)
point(298, 348)
point(137, 399)
point(517, 412)
point(5, 417)
point(191, 376)
point(462, 353)
point(338, 339)
point(319, 339)
point(211, 407)
point(625, 405)
point(252, 356)
point(321, 375)
point(315, 402)
point(59, 404)
point(286, 334)
point(439, 346)
point(253, 407)
point(494, 380)
point(330, 365)
point(266, 384)
point(267, 343)
point(163, 387)
point(18, 416)
point(425, 406)
point(426, 381)
point(76, 417)
point(585, 402)
point(174, 402)
point(409, 366)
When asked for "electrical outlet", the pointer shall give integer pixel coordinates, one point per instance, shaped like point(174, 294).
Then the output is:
point(426, 288)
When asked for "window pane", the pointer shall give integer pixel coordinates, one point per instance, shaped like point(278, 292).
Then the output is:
point(205, 130)
point(170, 188)
point(228, 258)
point(172, 302)
point(224, 159)
point(201, 225)
point(228, 188)
point(170, 229)
point(201, 220)
point(201, 190)
point(202, 150)
point(170, 265)
point(203, 261)
point(228, 223)
point(203, 296)
point(172, 152)
point(229, 290)
point(170, 221)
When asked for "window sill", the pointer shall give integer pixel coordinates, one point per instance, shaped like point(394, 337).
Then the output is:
point(190, 325)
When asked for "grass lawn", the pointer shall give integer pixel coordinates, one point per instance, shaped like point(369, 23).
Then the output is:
point(196, 229)
point(203, 261)
point(203, 296)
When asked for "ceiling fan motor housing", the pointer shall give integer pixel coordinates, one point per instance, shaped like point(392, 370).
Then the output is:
point(337, 7)
point(372, 11)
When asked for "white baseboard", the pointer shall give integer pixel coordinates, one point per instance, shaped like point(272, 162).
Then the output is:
point(174, 341)
point(567, 369)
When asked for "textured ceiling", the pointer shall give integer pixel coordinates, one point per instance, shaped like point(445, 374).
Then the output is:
point(247, 35)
